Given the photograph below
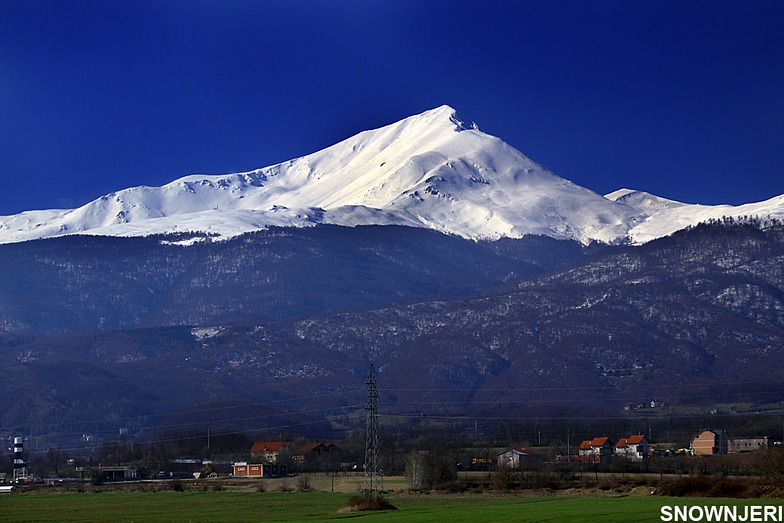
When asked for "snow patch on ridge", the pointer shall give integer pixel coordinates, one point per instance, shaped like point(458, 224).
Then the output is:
point(642, 200)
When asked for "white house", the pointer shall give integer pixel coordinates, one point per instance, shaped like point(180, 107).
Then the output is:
point(635, 448)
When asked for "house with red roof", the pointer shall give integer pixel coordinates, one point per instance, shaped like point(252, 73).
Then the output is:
point(318, 449)
point(596, 449)
point(269, 451)
point(316, 454)
point(635, 448)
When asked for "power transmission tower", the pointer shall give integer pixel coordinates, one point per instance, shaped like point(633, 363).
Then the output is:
point(373, 485)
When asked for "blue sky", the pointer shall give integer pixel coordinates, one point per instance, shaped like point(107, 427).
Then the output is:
point(683, 98)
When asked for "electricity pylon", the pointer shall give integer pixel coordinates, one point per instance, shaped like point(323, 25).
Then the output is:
point(373, 485)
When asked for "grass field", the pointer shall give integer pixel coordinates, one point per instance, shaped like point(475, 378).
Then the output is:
point(321, 506)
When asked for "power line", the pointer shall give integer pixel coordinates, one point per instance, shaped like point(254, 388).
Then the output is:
point(614, 388)
point(41, 427)
point(178, 439)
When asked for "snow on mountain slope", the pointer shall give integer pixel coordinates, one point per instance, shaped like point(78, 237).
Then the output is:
point(430, 170)
point(645, 202)
point(670, 219)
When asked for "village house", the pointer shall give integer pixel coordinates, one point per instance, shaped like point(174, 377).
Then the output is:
point(513, 458)
point(269, 451)
point(595, 450)
point(635, 448)
point(319, 449)
point(738, 445)
point(316, 453)
point(709, 442)
point(118, 473)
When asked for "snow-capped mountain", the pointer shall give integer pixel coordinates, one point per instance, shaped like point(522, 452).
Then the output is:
point(662, 217)
point(431, 170)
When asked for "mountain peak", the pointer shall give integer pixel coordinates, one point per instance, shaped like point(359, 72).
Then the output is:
point(444, 115)
point(458, 119)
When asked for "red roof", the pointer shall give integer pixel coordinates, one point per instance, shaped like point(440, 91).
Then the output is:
point(314, 446)
point(631, 440)
point(269, 446)
point(595, 442)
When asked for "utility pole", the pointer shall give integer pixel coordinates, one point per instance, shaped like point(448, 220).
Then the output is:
point(372, 472)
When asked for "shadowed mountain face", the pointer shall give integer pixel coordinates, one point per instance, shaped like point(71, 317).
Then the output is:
point(293, 317)
point(89, 283)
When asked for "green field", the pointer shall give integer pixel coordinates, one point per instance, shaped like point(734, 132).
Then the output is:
point(320, 506)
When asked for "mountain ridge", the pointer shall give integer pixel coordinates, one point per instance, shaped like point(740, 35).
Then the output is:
point(432, 170)
point(690, 319)
point(104, 283)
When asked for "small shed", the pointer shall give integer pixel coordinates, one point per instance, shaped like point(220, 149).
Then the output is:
point(118, 473)
point(259, 470)
point(513, 458)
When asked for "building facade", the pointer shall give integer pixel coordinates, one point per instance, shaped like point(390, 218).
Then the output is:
point(738, 445)
point(259, 470)
point(709, 442)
